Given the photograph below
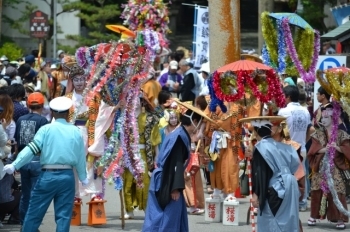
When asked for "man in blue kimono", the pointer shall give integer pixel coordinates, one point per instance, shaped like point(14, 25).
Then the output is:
point(275, 189)
point(166, 207)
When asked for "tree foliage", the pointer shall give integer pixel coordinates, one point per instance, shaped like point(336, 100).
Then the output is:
point(313, 12)
point(12, 51)
point(94, 15)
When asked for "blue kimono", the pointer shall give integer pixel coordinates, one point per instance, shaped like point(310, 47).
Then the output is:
point(163, 213)
point(273, 167)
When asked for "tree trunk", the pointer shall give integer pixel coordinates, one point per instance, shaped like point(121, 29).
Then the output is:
point(225, 32)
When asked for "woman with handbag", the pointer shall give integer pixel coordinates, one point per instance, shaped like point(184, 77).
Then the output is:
point(322, 204)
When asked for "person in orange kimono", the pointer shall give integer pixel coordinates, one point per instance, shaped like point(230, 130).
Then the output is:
point(152, 88)
point(228, 134)
point(60, 75)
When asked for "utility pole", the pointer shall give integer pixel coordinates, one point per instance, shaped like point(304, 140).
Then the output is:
point(224, 32)
point(0, 18)
point(54, 28)
point(264, 5)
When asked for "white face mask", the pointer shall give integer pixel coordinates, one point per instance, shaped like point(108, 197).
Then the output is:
point(65, 73)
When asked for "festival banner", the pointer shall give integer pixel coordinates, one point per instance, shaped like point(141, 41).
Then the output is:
point(201, 36)
point(341, 13)
point(327, 62)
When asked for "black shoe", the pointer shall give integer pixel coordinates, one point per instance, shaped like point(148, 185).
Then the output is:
point(13, 221)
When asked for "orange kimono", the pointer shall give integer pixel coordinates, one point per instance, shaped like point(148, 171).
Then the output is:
point(58, 76)
point(225, 175)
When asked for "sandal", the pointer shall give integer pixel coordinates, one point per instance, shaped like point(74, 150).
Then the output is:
point(210, 190)
point(340, 226)
point(196, 212)
point(311, 222)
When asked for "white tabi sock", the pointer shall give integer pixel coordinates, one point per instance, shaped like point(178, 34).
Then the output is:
point(216, 192)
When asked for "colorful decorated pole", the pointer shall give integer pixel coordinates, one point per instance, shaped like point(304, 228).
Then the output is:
point(251, 195)
point(224, 32)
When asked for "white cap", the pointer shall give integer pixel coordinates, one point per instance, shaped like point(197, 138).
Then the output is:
point(53, 66)
point(205, 68)
point(3, 58)
point(60, 52)
point(173, 64)
point(61, 104)
point(301, 83)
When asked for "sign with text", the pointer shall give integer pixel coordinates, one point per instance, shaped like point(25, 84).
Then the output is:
point(39, 25)
point(326, 62)
point(202, 36)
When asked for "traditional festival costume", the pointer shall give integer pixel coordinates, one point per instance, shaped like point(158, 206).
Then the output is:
point(60, 75)
point(227, 130)
point(149, 139)
point(81, 110)
point(322, 204)
point(163, 213)
point(100, 118)
point(273, 166)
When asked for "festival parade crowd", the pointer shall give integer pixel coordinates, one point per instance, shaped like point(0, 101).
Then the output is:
point(137, 115)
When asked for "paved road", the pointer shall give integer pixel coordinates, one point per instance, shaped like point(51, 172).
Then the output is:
point(196, 223)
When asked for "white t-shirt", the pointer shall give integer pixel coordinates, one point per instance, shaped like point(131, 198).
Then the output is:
point(298, 119)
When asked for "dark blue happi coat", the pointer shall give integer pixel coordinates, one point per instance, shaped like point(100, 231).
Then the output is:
point(174, 216)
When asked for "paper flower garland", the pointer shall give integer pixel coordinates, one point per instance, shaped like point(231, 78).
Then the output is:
point(146, 14)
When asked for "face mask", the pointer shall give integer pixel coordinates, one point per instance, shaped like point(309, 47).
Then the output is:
point(65, 73)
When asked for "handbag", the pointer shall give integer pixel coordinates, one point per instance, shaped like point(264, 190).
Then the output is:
point(193, 164)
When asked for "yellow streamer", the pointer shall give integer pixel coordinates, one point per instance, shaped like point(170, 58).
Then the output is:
point(269, 33)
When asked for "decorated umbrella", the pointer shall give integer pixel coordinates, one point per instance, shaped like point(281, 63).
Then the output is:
point(243, 81)
point(122, 30)
point(246, 65)
point(293, 19)
point(339, 69)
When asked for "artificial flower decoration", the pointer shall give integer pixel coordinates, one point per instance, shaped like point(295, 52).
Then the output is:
point(294, 57)
point(146, 14)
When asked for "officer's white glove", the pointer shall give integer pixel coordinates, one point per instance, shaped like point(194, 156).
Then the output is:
point(85, 182)
point(9, 169)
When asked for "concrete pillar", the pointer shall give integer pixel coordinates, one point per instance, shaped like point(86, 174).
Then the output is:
point(225, 32)
point(264, 5)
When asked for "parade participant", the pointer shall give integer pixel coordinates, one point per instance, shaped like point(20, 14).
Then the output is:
point(152, 88)
point(149, 139)
point(192, 84)
point(166, 207)
point(275, 189)
point(60, 75)
point(26, 128)
point(224, 178)
point(172, 118)
point(324, 99)
point(165, 102)
point(101, 114)
point(280, 133)
point(78, 78)
point(60, 146)
point(317, 151)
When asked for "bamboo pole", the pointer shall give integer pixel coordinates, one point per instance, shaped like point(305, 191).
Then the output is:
point(122, 208)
